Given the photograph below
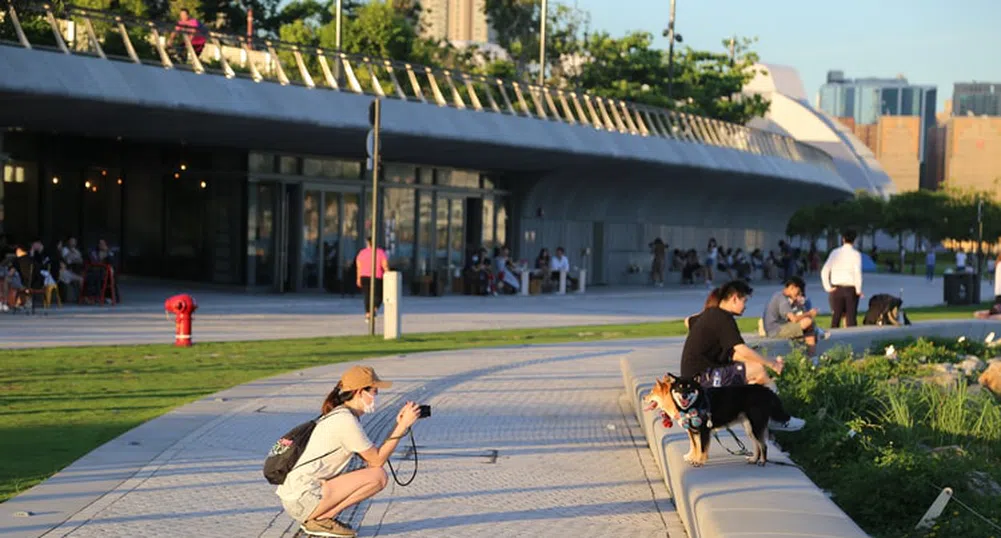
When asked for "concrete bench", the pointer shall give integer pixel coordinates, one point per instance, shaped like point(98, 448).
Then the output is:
point(727, 497)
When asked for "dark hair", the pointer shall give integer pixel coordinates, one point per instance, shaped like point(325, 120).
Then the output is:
point(560, 249)
point(712, 299)
point(734, 287)
point(795, 281)
point(849, 236)
point(336, 398)
point(185, 10)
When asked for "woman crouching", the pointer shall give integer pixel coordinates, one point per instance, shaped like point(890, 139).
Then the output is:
point(316, 492)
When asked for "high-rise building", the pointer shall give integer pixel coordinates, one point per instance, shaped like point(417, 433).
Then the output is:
point(867, 99)
point(977, 98)
point(456, 20)
point(965, 153)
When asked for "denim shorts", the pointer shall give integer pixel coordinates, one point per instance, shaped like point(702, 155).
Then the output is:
point(301, 508)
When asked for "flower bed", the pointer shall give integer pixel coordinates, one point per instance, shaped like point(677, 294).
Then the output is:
point(888, 430)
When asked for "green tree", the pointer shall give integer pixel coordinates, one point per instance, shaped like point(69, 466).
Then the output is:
point(626, 68)
point(518, 23)
point(708, 83)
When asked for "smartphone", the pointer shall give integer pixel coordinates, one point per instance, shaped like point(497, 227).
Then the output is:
point(424, 411)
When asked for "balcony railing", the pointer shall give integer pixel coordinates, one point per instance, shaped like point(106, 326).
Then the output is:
point(76, 31)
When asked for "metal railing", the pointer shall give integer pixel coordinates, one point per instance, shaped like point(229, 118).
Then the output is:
point(75, 31)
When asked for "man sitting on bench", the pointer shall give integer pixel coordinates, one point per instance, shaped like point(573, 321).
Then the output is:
point(781, 321)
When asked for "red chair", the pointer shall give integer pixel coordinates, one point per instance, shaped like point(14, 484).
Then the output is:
point(106, 284)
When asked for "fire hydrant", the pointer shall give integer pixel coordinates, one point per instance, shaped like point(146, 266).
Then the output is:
point(183, 306)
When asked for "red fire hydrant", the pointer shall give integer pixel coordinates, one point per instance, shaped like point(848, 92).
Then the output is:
point(183, 306)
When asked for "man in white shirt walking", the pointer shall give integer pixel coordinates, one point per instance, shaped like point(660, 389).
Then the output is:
point(842, 280)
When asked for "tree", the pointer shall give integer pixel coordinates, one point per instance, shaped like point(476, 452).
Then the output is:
point(517, 23)
point(708, 84)
point(626, 68)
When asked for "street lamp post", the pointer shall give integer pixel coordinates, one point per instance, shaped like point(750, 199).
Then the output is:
point(337, 40)
point(980, 241)
point(669, 33)
point(542, 42)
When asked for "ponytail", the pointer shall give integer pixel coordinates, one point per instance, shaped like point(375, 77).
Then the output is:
point(335, 399)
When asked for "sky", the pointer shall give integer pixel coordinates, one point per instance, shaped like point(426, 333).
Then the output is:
point(937, 42)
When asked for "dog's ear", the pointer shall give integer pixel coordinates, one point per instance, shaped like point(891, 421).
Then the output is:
point(670, 378)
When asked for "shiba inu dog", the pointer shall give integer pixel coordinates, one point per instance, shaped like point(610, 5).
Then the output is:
point(700, 410)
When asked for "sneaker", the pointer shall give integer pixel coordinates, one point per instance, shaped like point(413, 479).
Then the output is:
point(822, 334)
point(792, 425)
point(327, 527)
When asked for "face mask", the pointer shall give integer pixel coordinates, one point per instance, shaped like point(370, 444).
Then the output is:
point(369, 406)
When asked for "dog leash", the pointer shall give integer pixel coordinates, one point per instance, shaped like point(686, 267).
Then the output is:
point(742, 450)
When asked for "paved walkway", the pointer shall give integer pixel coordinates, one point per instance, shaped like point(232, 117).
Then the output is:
point(229, 315)
point(529, 441)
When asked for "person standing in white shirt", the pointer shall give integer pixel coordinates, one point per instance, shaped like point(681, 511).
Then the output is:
point(842, 280)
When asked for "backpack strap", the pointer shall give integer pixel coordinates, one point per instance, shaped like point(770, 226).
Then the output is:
point(318, 420)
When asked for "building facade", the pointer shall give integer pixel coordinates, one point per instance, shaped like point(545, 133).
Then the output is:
point(977, 98)
point(867, 99)
point(456, 20)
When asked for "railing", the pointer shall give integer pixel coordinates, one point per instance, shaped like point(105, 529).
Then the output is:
point(75, 31)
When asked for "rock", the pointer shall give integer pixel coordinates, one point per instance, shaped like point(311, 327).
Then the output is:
point(944, 379)
point(971, 365)
point(944, 367)
point(954, 450)
point(983, 484)
point(991, 378)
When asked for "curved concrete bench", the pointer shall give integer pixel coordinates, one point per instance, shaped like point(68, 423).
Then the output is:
point(727, 497)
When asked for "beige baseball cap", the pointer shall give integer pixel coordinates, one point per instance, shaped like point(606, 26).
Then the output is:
point(359, 377)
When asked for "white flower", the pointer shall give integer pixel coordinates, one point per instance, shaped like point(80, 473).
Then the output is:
point(961, 339)
point(990, 338)
point(891, 352)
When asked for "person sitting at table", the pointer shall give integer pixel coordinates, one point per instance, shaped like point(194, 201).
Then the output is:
point(509, 277)
point(561, 264)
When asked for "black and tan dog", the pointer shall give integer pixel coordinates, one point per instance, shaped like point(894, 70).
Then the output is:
point(700, 410)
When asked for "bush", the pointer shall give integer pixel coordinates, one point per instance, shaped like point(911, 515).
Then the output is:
point(884, 443)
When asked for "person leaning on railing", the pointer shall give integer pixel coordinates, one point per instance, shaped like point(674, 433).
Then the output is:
point(191, 26)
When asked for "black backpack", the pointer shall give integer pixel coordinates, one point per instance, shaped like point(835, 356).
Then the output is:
point(284, 455)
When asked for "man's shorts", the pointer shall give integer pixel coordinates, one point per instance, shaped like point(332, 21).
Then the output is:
point(301, 508)
point(788, 331)
point(733, 374)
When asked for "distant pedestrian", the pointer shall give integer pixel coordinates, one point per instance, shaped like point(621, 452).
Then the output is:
point(930, 264)
point(365, 279)
point(841, 277)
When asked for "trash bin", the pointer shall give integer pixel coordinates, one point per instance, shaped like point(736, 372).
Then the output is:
point(961, 288)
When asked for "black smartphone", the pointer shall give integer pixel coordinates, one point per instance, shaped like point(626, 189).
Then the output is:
point(424, 411)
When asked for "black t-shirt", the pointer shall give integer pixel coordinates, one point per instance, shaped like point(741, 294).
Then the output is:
point(712, 335)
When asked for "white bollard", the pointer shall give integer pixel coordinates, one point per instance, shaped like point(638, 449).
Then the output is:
point(563, 282)
point(524, 282)
point(582, 281)
point(392, 325)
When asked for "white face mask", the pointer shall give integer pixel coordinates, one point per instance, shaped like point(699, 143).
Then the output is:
point(369, 406)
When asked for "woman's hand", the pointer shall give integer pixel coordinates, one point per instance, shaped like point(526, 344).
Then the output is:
point(408, 415)
point(778, 365)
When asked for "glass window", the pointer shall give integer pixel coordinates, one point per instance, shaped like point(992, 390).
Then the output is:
point(350, 240)
point(424, 235)
point(288, 165)
point(331, 241)
point(331, 168)
point(458, 178)
point(398, 228)
point(488, 183)
point(262, 162)
point(488, 223)
point(457, 226)
point(501, 226)
point(426, 176)
point(400, 173)
point(310, 246)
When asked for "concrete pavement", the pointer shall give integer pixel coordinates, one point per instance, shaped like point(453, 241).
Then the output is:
point(233, 315)
point(529, 441)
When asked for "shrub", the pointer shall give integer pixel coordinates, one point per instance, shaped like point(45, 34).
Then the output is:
point(884, 444)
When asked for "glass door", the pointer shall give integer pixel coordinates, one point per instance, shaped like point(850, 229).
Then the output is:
point(331, 243)
point(450, 226)
point(309, 253)
point(263, 210)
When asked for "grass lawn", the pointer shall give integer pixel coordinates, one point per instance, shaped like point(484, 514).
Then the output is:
point(57, 404)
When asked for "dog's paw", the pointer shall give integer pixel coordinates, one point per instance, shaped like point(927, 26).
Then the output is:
point(695, 463)
point(687, 458)
point(762, 463)
point(751, 459)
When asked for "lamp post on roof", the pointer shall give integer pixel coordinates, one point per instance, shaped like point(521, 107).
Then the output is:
point(542, 42)
point(671, 38)
point(337, 25)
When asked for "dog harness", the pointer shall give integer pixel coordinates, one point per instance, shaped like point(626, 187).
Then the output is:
point(693, 418)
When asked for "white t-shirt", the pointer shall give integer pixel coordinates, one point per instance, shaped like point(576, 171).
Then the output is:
point(338, 430)
point(557, 264)
point(961, 259)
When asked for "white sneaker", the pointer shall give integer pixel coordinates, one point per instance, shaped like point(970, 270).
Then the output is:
point(792, 425)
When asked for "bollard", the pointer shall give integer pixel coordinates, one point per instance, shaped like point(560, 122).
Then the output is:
point(183, 306)
point(563, 283)
point(524, 282)
point(582, 281)
point(392, 326)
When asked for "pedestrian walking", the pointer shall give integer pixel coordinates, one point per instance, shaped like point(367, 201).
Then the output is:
point(365, 279)
point(842, 280)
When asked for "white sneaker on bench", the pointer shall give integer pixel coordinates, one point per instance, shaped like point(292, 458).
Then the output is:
point(794, 424)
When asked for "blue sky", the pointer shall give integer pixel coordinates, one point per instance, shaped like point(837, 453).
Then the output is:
point(936, 42)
